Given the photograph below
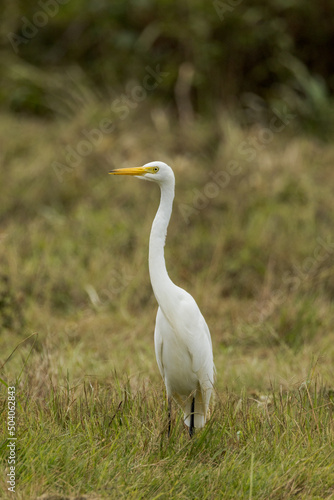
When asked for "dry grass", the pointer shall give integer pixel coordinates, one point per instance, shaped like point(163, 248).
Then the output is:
point(250, 238)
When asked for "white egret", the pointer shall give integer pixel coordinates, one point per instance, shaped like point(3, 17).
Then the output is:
point(182, 338)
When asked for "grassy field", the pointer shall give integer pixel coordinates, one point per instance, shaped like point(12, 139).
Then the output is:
point(251, 238)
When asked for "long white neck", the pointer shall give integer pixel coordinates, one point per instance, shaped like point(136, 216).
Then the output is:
point(161, 283)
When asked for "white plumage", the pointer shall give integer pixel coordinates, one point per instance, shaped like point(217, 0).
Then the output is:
point(182, 339)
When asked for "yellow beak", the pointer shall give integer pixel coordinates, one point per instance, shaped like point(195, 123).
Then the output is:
point(129, 171)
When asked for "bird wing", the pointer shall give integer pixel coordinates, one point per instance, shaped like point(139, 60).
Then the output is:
point(191, 325)
point(184, 354)
point(197, 337)
point(158, 341)
point(200, 347)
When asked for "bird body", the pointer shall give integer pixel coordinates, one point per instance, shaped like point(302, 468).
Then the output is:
point(182, 338)
point(184, 356)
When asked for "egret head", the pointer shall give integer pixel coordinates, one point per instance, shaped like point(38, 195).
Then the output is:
point(155, 171)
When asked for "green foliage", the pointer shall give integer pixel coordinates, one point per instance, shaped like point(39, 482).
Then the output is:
point(89, 85)
point(11, 310)
point(109, 441)
point(250, 238)
point(251, 57)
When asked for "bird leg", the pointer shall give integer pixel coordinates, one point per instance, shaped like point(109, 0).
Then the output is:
point(192, 416)
point(169, 414)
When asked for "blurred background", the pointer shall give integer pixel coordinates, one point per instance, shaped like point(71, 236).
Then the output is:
point(238, 97)
point(243, 56)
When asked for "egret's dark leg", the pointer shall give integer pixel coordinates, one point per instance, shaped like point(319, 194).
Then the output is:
point(192, 416)
point(169, 415)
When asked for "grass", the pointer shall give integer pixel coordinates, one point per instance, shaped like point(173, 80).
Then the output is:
point(250, 238)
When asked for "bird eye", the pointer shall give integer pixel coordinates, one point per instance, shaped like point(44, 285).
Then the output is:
point(155, 169)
